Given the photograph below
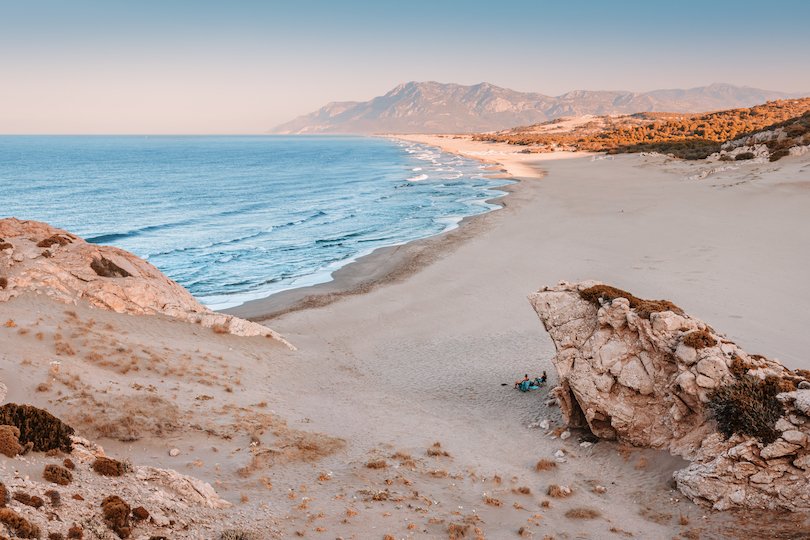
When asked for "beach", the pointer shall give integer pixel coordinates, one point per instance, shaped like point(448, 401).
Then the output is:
point(396, 414)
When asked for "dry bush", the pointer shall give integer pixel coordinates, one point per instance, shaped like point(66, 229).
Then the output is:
point(63, 348)
point(18, 525)
point(10, 441)
point(109, 467)
point(238, 534)
point(545, 465)
point(744, 156)
point(3, 282)
point(377, 464)
point(106, 268)
point(128, 419)
point(738, 367)
point(522, 490)
point(57, 475)
point(68, 463)
point(140, 513)
point(55, 536)
point(582, 513)
point(116, 515)
point(3, 495)
point(10, 324)
point(28, 500)
point(455, 531)
point(37, 426)
point(76, 531)
point(559, 492)
point(699, 339)
point(748, 407)
point(53, 240)
point(492, 501)
point(219, 329)
point(605, 293)
point(436, 451)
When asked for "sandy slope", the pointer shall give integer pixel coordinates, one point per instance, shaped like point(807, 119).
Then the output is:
point(286, 435)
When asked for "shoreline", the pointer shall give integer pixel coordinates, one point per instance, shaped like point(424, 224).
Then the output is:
point(391, 264)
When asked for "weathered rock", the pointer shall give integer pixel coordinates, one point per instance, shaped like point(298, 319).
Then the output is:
point(189, 489)
point(628, 375)
point(50, 261)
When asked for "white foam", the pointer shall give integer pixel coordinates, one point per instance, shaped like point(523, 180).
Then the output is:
point(418, 178)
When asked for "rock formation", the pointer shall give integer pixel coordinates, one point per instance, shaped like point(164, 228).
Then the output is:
point(42, 259)
point(646, 373)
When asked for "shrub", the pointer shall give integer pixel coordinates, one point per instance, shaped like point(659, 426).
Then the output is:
point(644, 308)
point(68, 463)
point(747, 407)
point(456, 531)
point(559, 492)
point(544, 465)
point(116, 515)
point(582, 513)
point(742, 156)
point(55, 497)
point(10, 441)
point(235, 534)
point(21, 527)
point(37, 426)
point(76, 531)
point(5, 245)
point(699, 339)
point(3, 495)
point(109, 467)
point(3, 282)
point(779, 154)
point(378, 464)
point(53, 240)
point(436, 451)
point(57, 475)
point(106, 268)
point(738, 366)
point(55, 536)
point(140, 513)
point(28, 500)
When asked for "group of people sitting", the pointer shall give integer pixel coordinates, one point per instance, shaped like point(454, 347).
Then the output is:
point(531, 384)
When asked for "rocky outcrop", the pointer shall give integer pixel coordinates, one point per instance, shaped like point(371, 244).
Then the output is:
point(646, 373)
point(45, 260)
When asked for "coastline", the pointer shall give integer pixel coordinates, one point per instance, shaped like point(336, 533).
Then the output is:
point(391, 264)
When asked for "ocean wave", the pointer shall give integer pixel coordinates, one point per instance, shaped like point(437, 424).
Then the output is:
point(418, 178)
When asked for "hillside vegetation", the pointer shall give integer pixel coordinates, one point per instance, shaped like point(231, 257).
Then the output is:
point(688, 136)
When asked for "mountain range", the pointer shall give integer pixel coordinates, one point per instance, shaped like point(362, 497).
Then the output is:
point(432, 107)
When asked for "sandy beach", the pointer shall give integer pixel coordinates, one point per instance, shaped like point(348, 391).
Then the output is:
point(339, 438)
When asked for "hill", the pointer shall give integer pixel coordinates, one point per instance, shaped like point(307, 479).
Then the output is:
point(432, 107)
point(690, 136)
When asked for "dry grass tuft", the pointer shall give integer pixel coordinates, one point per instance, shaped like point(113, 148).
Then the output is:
point(455, 531)
point(522, 490)
point(437, 451)
point(545, 465)
point(377, 464)
point(492, 501)
point(559, 492)
point(3, 282)
point(699, 339)
point(644, 308)
point(582, 513)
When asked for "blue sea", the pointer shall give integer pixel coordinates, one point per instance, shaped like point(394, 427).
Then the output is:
point(234, 218)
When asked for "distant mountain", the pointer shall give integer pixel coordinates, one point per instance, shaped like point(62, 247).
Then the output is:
point(431, 107)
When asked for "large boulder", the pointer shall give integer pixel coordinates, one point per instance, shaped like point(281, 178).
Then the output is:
point(45, 260)
point(646, 373)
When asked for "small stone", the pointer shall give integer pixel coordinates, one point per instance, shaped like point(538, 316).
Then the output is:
point(565, 434)
point(586, 444)
point(794, 436)
point(559, 453)
point(599, 489)
point(705, 382)
point(174, 452)
point(778, 448)
point(544, 424)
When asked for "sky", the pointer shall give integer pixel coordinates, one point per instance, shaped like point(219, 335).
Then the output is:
point(239, 66)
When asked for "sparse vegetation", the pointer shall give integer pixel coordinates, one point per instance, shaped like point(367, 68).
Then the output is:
point(29, 500)
point(559, 492)
point(545, 465)
point(104, 267)
point(742, 156)
point(437, 451)
point(38, 427)
point(582, 513)
point(377, 464)
point(644, 308)
point(53, 240)
point(687, 136)
point(116, 515)
point(18, 525)
point(109, 467)
point(699, 339)
point(9, 441)
point(747, 407)
point(57, 475)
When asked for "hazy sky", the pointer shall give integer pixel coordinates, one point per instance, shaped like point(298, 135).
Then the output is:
point(171, 66)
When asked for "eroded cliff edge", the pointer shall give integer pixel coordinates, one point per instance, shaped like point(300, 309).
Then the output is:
point(38, 258)
point(646, 373)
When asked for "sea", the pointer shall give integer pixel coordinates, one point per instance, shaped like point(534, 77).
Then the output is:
point(236, 218)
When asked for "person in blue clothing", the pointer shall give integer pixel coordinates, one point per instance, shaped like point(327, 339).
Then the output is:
point(524, 382)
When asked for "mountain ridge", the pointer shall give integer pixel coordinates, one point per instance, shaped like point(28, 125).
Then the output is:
point(433, 107)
